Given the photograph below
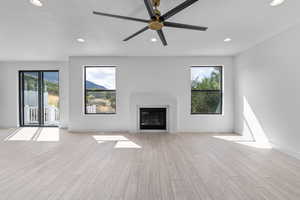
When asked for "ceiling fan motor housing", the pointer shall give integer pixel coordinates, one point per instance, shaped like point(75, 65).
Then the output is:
point(155, 25)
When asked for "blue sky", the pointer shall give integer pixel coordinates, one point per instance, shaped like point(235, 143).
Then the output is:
point(51, 76)
point(104, 76)
point(201, 72)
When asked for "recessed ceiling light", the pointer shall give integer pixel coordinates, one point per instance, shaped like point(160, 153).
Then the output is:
point(153, 40)
point(276, 2)
point(37, 3)
point(227, 40)
point(81, 40)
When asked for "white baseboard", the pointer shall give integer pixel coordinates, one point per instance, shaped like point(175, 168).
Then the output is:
point(97, 131)
point(223, 131)
point(286, 151)
point(8, 127)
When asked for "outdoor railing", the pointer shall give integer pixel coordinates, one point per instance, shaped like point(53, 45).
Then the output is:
point(91, 109)
point(31, 114)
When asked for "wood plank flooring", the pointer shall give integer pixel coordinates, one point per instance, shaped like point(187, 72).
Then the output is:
point(55, 164)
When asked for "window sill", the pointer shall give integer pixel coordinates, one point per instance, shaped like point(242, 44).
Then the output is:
point(205, 114)
point(99, 114)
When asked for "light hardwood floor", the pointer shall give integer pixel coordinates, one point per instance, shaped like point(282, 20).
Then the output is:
point(52, 164)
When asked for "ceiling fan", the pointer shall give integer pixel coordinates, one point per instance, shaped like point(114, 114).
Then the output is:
point(158, 21)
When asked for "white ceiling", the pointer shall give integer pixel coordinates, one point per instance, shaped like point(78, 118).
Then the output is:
point(49, 33)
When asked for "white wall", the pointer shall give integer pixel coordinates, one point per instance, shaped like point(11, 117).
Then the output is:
point(9, 111)
point(268, 87)
point(152, 75)
point(168, 76)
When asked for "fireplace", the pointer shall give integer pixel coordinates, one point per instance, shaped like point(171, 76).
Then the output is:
point(153, 119)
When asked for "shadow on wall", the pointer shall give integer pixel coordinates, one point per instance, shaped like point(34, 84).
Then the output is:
point(34, 134)
point(252, 132)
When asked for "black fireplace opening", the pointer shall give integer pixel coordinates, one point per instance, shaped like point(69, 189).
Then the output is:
point(153, 118)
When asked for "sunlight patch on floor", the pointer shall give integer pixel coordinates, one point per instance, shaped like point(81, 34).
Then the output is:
point(258, 145)
point(127, 144)
point(121, 141)
point(48, 135)
point(22, 134)
point(110, 138)
point(34, 134)
point(244, 141)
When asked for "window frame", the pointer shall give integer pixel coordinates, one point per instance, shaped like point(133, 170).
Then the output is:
point(98, 90)
point(220, 91)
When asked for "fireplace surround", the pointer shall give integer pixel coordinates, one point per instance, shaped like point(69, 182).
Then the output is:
point(153, 100)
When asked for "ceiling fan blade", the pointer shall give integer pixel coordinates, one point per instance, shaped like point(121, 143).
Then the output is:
point(162, 37)
point(120, 17)
point(149, 7)
point(185, 26)
point(177, 9)
point(137, 33)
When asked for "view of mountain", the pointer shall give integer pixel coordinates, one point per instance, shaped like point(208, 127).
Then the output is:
point(91, 85)
point(51, 76)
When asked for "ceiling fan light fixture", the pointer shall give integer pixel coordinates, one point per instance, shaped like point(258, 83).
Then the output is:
point(227, 40)
point(80, 40)
point(276, 2)
point(153, 40)
point(36, 3)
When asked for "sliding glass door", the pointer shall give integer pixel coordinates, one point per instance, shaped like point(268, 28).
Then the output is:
point(39, 98)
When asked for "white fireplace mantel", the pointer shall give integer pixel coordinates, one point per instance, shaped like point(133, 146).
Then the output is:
point(151, 100)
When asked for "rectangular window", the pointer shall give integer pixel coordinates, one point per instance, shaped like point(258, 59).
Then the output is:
point(206, 90)
point(100, 90)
